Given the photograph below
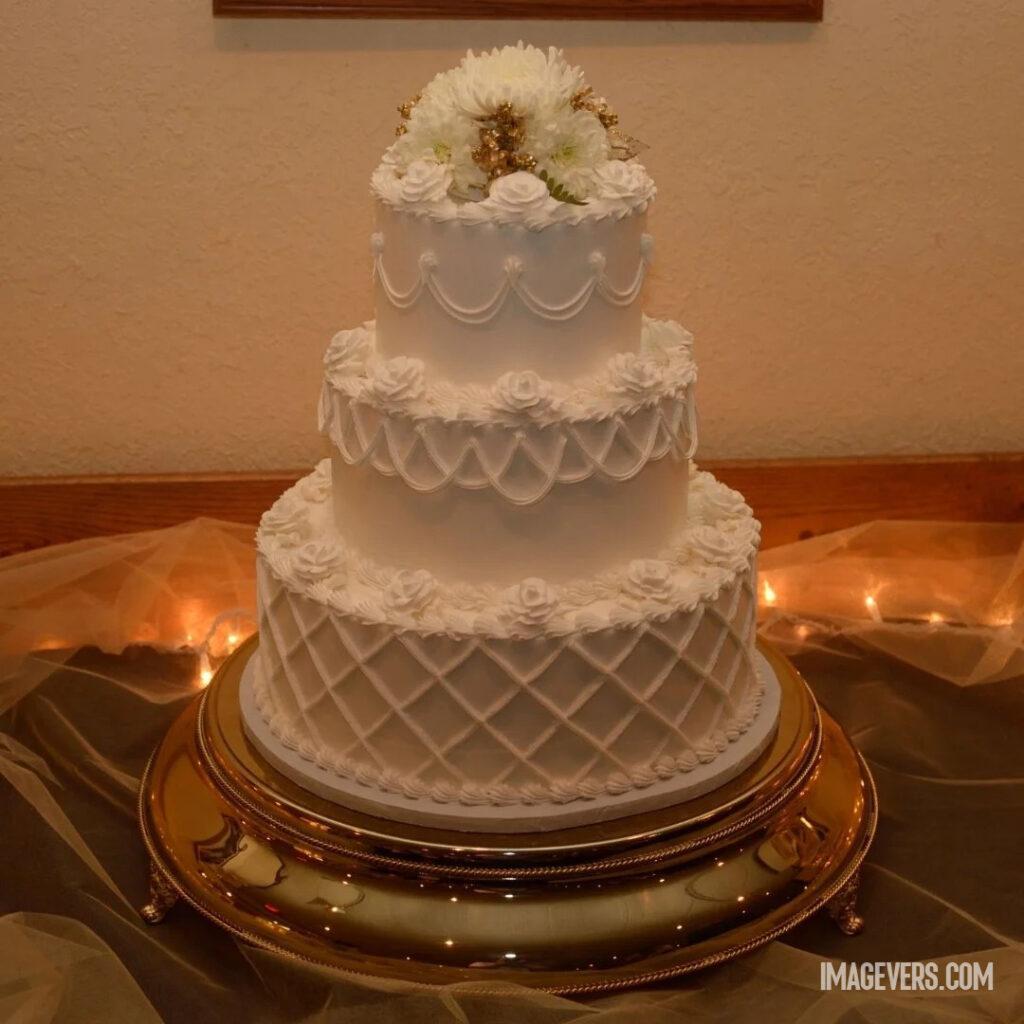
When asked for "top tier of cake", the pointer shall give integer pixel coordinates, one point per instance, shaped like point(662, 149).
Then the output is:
point(474, 300)
point(510, 224)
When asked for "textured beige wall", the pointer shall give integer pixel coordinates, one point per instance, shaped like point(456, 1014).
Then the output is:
point(185, 221)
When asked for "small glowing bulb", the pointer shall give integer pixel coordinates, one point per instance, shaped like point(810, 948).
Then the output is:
point(770, 597)
point(232, 641)
point(205, 672)
point(872, 606)
point(510, 956)
point(449, 942)
point(803, 631)
point(935, 618)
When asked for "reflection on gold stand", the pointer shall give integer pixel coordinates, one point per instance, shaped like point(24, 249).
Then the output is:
point(587, 909)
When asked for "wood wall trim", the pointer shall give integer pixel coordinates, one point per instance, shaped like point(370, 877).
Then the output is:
point(627, 10)
point(794, 499)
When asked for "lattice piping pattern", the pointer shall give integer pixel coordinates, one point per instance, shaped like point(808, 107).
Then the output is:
point(483, 720)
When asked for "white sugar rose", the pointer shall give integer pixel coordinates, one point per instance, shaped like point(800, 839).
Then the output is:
point(666, 338)
point(520, 192)
point(347, 351)
point(426, 181)
point(410, 591)
point(633, 374)
point(711, 545)
point(316, 487)
point(532, 602)
point(622, 179)
point(650, 578)
point(397, 379)
point(385, 182)
point(287, 522)
point(522, 391)
point(318, 560)
point(713, 501)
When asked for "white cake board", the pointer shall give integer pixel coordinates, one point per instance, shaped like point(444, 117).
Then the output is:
point(685, 786)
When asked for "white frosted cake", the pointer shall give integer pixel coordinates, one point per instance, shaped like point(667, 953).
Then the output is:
point(508, 600)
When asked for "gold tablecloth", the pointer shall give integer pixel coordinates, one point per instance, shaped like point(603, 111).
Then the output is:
point(911, 633)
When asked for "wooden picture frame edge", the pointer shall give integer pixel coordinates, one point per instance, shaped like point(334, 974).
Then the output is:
point(611, 10)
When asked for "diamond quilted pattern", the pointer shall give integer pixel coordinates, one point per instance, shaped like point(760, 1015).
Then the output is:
point(479, 712)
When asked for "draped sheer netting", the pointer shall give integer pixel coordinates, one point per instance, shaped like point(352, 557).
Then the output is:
point(911, 633)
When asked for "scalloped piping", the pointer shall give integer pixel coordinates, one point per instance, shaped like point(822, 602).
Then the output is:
point(357, 586)
point(513, 284)
point(562, 453)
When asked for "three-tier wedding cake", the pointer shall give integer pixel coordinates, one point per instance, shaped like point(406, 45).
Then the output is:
point(508, 600)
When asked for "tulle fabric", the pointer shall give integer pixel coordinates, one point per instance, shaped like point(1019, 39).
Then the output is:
point(911, 634)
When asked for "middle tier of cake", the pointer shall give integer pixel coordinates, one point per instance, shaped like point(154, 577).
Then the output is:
point(524, 477)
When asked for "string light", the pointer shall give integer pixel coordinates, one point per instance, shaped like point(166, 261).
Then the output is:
point(770, 597)
point(235, 616)
point(872, 606)
point(936, 617)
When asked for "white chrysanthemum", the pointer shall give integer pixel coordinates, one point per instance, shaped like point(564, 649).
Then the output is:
point(437, 132)
point(569, 145)
point(530, 79)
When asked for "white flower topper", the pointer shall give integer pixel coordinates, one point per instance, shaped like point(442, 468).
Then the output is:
point(512, 134)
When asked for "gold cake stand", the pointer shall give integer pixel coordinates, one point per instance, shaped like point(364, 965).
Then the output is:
point(583, 910)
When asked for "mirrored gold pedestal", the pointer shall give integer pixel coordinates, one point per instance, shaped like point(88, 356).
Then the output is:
point(588, 909)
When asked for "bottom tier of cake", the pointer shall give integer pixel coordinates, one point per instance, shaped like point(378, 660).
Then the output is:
point(390, 690)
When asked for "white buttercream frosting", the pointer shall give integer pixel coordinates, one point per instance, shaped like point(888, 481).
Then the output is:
point(530, 604)
point(634, 374)
point(410, 590)
point(664, 369)
point(386, 185)
point(522, 391)
point(317, 560)
point(425, 181)
point(718, 543)
point(294, 736)
point(394, 381)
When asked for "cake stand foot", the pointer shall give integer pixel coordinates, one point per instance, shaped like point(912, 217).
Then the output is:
point(162, 896)
point(842, 908)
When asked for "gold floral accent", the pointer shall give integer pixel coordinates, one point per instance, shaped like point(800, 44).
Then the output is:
point(501, 135)
point(405, 112)
point(598, 106)
point(624, 147)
